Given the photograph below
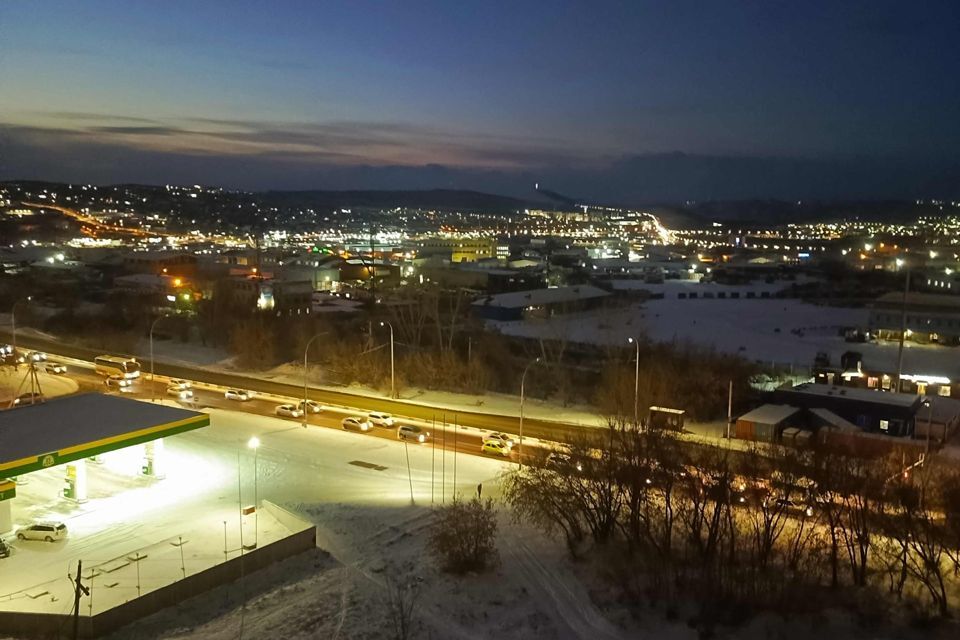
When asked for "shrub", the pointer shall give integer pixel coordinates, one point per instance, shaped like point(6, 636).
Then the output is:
point(463, 535)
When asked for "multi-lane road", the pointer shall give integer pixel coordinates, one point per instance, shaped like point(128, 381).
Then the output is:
point(448, 430)
point(532, 428)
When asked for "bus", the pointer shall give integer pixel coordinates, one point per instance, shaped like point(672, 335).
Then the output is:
point(117, 366)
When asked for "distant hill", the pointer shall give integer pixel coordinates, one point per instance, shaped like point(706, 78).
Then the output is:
point(778, 212)
point(431, 199)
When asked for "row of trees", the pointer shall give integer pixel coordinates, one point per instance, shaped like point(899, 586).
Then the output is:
point(355, 349)
point(438, 346)
point(740, 531)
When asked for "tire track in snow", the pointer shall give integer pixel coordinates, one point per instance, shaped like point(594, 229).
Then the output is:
point(570, 600)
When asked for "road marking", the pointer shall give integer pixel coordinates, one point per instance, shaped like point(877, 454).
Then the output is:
point(367, 465)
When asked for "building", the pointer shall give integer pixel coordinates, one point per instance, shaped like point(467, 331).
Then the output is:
point(458, 249)
point(161, 263)
point(893, 414)
point(930, 317)
point(452, 276)
point(765, 423)
point(539, 302)
point(283, 297)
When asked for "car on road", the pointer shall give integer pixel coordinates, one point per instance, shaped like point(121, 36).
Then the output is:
point(37, 356)
point(411, 432)
point(499, 437)
point(355, 423)
point(495, 447)
point(5, 549)
point(288, 411)
point(786, 503)
point(179, 392)
point(380, 419)
point(54, 367)
point(564, 462)
point(31, 397)
point(180, 383)
point(310, 406)
point(46, 531)
point(238, 394)
point(119, 383)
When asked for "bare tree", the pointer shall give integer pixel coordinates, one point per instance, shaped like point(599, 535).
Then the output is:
point(402, 601)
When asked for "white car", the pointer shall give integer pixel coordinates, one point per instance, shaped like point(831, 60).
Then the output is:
point(380, 419)
point(237, 394)
point(179, 392)
point(355, 423)
point(181, 384)
point(499, 437)
point(37, 356)
point(54, 367)
point(311, 406)
point(288, 411)
point(119, 383)
point(46, 531)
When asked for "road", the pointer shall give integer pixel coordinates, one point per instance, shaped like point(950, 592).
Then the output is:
point(448, 436)
point(90, 223)
point(532, 428)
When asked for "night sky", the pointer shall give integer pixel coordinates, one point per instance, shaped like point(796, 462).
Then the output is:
point(621, 102)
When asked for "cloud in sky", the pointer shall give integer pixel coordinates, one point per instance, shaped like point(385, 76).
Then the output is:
point(344, 142)
point(334, 156)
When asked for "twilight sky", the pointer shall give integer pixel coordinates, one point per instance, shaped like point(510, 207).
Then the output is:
point(632, 101)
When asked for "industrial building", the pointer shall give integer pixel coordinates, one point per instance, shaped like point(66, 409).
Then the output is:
point(930, 317)
point(539, 302)
point(892, 414)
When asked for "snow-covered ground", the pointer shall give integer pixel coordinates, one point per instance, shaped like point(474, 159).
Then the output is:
point(14, 383)
point(784, 332)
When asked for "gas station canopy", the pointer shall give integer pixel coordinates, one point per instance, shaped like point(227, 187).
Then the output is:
point(61, 430)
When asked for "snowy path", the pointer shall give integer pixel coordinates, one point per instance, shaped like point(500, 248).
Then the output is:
point(570, 600)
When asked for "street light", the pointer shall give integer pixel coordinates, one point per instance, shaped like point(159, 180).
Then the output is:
point(153, 387)
point(636, 386)
point(305, 350)
point(13, 325)
point(254, 443)
point(523, 380)
point(393, 380)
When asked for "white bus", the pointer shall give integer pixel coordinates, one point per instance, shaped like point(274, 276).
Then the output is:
point(117, 366)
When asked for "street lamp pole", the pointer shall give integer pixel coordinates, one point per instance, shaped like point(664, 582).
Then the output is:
point(254, 443)
point(305, 350)
point(393, 380)
point(636, 385)
point(523, 380)
point(153, 387)
point(13, 326)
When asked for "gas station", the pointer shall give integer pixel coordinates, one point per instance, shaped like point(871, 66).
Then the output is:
point(70, 431)
point(153, 519)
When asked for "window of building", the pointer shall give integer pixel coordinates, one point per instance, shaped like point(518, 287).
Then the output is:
point(885, 426)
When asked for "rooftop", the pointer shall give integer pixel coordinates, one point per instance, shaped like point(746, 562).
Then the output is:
point(64, 429)
point(770, 414)
point(518, 299)
point(850, 393)
point(916, 301)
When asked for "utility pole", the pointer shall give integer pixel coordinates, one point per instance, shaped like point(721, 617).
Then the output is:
point(523, 379)
point(903, 332)
point(729, 408)
point(78, 589)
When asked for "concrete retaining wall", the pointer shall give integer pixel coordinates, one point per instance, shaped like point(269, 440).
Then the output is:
point(43, 625)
